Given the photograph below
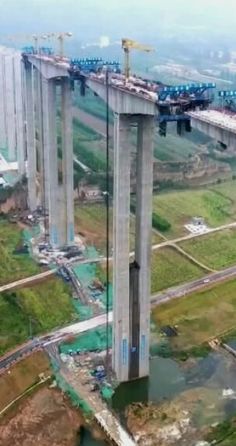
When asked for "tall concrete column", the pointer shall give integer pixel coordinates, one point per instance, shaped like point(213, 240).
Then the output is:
point(144, 187)
point(10, 106)
point(121, 222)
point(39, 126)
point(30, 137)
point(58, 191)
point(50, 158)
point(20, 141)
point(3, 130)
point(67, 159)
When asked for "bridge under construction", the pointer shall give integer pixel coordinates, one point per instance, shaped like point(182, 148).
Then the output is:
point(36, 87)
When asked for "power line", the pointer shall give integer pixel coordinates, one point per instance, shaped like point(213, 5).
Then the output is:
point(107, 220)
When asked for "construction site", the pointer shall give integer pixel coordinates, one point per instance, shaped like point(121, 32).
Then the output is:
point(98, 270)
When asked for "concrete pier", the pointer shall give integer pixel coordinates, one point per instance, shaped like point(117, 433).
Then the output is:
point(59, 195)
point(30, 138)
point(144, 187)
point(50, 158)
point(3, 128)
point(121, 223)
point(131, 282)
point(10, 105)
point(20, 131)
point(67, 159)
point(39, 132)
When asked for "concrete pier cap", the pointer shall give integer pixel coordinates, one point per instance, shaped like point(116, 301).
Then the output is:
point(48, 68)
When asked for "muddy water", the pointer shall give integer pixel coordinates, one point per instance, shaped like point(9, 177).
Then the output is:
point(168, 380)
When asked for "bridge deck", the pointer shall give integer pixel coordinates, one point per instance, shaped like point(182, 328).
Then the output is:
point(113, 429)
point(220, 119)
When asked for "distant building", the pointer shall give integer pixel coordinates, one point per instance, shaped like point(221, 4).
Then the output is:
point(198, 221)
point(89, 193)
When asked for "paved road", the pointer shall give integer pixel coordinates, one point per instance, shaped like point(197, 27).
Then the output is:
point(51, 338)
point(187, 288)
point(37, 277)
point(80, 327)
point(27, 280)
point(191, 236)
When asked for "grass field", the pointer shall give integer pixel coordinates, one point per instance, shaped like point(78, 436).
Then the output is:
point(227, 189)
point(173, 148)
point(84, 132)
point(47, 305)
point(169, 268)
point(92, 104)
point(216, 250)
point(13, 267)
point(90, 220)
point(202, 315)
point(180, 206)
point(22, 376)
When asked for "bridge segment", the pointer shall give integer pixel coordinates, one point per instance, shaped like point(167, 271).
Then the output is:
point(219, 125)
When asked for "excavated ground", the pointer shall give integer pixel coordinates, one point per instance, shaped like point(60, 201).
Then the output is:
point(43, 419)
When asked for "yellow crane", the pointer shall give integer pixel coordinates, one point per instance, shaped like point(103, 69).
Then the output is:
point(127, 45)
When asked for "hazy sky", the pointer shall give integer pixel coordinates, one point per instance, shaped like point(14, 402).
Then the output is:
point(89, 19)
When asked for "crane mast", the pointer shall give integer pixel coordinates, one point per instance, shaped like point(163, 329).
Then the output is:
point(127, 45)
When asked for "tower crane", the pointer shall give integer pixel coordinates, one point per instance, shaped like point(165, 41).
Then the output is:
point(127, 45)
point(61, 39)
point(23, 37)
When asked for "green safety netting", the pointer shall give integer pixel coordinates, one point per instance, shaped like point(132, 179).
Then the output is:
point(89, 341)
point(76, 400)
point(30, 233)
point(91, 252)
point(107, 392)
point(84, 311)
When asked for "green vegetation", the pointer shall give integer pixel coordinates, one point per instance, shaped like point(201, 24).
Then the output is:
point(84, 136)
point(84, 132)
point(173, 147)
point(200, 316)
point(13, 267)
point(90, 221)
point(224, 433)
point(85, 145)
point(215, 250)
point(33, 310)
point(88, 157)
point(92, 104)
point(169, 268)
point(160, 223)
point(179, 207)
point(227, 190)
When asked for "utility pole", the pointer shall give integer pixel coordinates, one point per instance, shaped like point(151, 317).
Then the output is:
point(30, 328)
